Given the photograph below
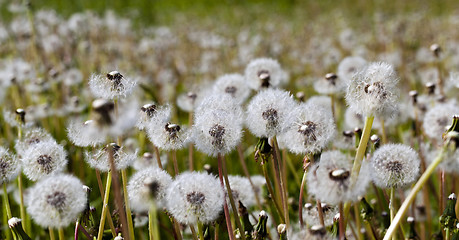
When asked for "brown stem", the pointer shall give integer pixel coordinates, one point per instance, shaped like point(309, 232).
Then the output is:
point(174, 160)
point(321, 212)
point(247, 174)
point(158, 158)
point(118, 196)
point(341, 222)
point(300, 200)
point(225, 206)
point(281, 184)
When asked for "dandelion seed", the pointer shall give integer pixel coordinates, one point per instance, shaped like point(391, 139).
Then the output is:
point(195, 197)
point(99, 159)
point(111, 86)
point(147, 186)
point(9, 166)
point(373, 91)
point(267, 112)
point(394, 165)
point(233, 85)
point(56, 201)
point(263, 73)
point(329, 179)
point(43, 159)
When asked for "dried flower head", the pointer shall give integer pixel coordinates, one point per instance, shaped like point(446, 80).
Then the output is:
point(394, 165)
point(349, 66)
point(311, 214)
point(373, 90)
point(267, 112)
point(329, 180)
point(99, 159)
point(43, 159)
point(195, 197)
point(9, 166)
point(311, 129)
point(56, 201)
point(263, 73)
point(112, 85)
point(146, 186)
point(437, 119)
point(233, 85)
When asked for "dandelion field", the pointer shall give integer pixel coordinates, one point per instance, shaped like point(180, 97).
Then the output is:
point(229, 120)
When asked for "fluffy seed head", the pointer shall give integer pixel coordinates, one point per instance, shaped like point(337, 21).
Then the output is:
point(113, 85)
point(311, 130)
point(146, 186)
point(9, 166)
point(437, 119)
point(311, 214)
point(84, 134)
point(233, 85)
point(44, 159)
point(242, 191)
point(373, 90)
point(394, 165)
point(330, 84)
point(56, 201)
point(99, 159)
point(263, 73)
point(195, 197)
point(267, 112)
point(32, 137)
point(349, 66)
point(329, 179)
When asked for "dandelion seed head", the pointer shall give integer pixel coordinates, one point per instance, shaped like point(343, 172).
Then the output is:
point(311, 214)
point(149, 160)
point(267, 112)
point(263, 73)
point(56, 201)
point(195, 197)
point(330, 84)
point(233, 85)
point(373, 90)
point(99, 159)
point(349, 66)
point(437, 119)
point(9, 166)
point(147, 186)
point(242, 191)
point(113, 85)
point(394, 165)
point(43, 159)
point(31, 137)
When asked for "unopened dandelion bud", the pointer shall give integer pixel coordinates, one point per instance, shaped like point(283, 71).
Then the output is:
point(375, 140)
point(414, 96)
point(21, 115)
point(367, 211)
point(436, 50)
point(448, 219)
point(260, 232)
point(103, 108)
point(263, 150)
point(300, 96)
point(385, 220)
point(430, 86)
point(244, 214)
point(282, 231)
point(16, 227)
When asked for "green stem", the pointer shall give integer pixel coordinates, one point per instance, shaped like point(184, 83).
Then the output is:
point(283, 191)
point(201, 231)
point(447, 234)
point(417, 187)
point(105, 206)
point(383, 131)
point(6, 202)
point(51, 234)
point(391, 207)
point(61, 234)
point(25, 222)
point(194, 235)
point(271, 192)
point(126, 202)
point(230, 196)
point(153, 222)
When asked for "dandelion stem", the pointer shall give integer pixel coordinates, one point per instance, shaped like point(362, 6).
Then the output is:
point(190, 146)
point(358, 224)
point(126, 203)
point(231, 198)
point(442, 190)
point(300, 200)
point(341, 222)
point(174, 160)
point(153, 222)
point(271, 192)
point(383, 131)
point(60, 232)
point(105, 206)
point(158, 158)
point(101, 189)
point(25, 222)
point(278, 168)
point(194, 235)
point(225, 205)
point(321, 212)
point(417, 187)
point(391, 206)
point(201, 231)
point(247, 174)
point(6, 202)
point(51, 234)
